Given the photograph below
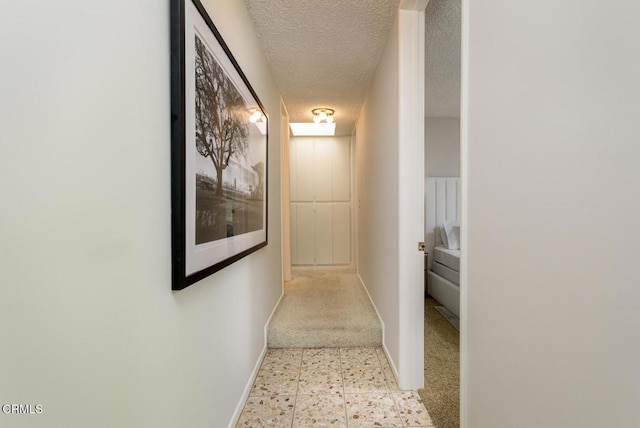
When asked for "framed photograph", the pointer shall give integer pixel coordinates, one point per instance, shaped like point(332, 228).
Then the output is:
point(219, 137)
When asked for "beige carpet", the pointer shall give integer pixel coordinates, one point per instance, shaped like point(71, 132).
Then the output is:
point(324, 307)
point(441, 394)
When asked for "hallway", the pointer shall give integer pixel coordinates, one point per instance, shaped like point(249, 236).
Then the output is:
point(98, 150)
point(324, 307)
point(325, 365)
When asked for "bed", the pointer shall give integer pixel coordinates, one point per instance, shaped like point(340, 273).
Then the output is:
point(443, 275)
point(444, 278)
point(446, 263)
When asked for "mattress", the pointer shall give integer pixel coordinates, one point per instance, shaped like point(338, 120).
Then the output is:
point(446, 272)
point(449, 258)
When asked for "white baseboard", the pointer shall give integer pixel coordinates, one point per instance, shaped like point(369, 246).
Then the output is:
point(392, 364)
point(247, 389)
point(384, 345)
point(266, 325)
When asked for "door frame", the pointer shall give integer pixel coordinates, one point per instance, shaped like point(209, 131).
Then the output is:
point(284, 191)
point(411, 16)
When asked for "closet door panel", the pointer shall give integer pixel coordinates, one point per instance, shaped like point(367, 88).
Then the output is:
point(323, 157)
point(320, 201)
point(341, 163)
point(324, 235)
point(341, 233)
point(293, 171)
point(302, 169)
point(305, 234)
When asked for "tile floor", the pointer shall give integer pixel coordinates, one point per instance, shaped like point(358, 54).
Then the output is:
point(330, 387)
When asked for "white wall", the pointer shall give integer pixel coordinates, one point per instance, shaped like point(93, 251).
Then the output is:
point(377, 190)
point(552, 178)
point(285, 176)
point(442, 146)
point(90, 327)
point(389, 191)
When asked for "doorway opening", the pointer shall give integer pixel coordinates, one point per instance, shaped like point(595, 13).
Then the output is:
point(442, 212)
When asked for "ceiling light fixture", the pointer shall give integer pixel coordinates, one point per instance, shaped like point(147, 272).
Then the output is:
point(323, 114)
point(256, 115)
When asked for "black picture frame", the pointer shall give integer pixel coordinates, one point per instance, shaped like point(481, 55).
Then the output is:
point(219, 146)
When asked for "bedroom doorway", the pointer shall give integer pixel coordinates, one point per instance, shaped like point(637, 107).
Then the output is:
point(443, 211)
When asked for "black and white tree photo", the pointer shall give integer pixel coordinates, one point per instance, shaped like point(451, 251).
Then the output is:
point(229, 186)
point(219, 151)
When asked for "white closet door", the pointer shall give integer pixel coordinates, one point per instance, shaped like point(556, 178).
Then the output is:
point(341, 233)
point(341, 166)
point(304, 234)
point(302, 162)
point(323, 157)
point(320, 201)
point(324, 235)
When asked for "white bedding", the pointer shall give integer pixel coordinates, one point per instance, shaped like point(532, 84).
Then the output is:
point(449, 258)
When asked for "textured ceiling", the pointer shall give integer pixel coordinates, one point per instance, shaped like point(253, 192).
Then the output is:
point(323, 53)
point(442, 60)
